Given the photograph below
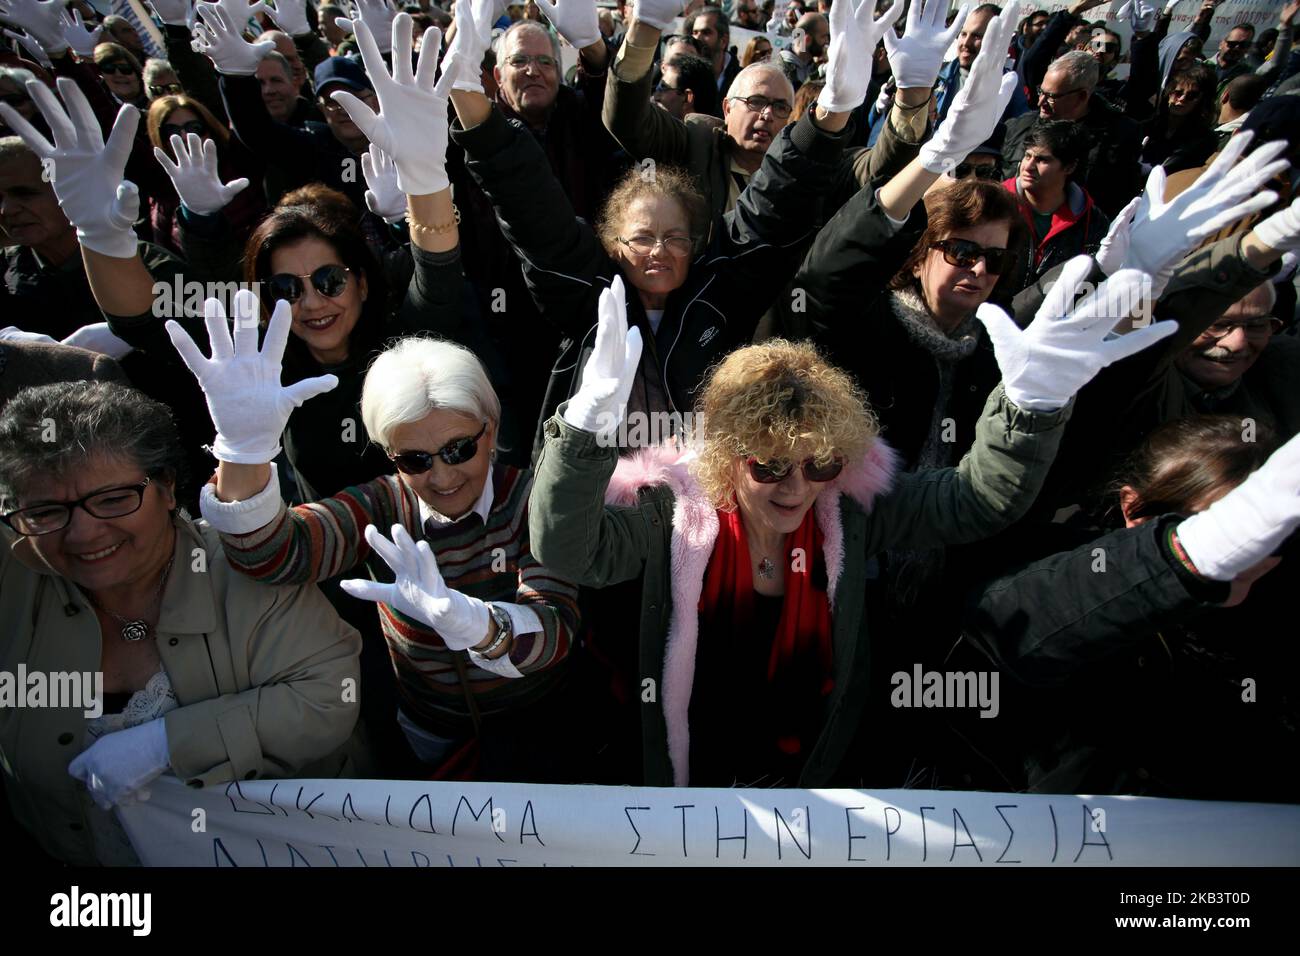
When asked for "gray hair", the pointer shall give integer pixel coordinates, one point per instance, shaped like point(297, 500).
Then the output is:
point(1079, 68)
point(56, 429)
point(750, 73)
point(12, 148)
point(284, 64)
point(499, 45)
point(418, 375)
point(153, 66)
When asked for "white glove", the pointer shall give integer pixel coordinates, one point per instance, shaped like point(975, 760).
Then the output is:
point(42, 20)
point(575, 20)
point(854, 35)
point(34, 49)
point(1281, 231)
point(1247, 524)
point(81, 38)
point(290, 16)
point(1169, 7)
point(87, 173)
point(979, 104)
point(378, 16)
point(659, 14)
point(219, 35)
point(195, 175)
point(11, 333)
point(1161, 233)
point(117, 766)
point(916, 58)
point(1141, 16)
point(1044, 365)
point(411, 125)
point(599, 403)
point(469, 46)
point(884, 99)
point(247, 403)
point(97, 337)
point(384, 197)
point(420, 592)
point(175, 13)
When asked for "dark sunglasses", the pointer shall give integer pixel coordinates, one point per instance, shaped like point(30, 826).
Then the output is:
point(453, 453)
point(978, 170)
point(162, 89)
point(1237, 44)
point(329, 281)
point(771, 472)
point(963, 254)
point(121, 69)
point(168, 130)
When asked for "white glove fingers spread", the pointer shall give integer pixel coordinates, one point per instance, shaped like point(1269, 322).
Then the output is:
point(430, 576)
point(366, 590)
point(631, 359)
point(219, 341)
point(277, 330)
point(245, 316)
point(367, 120)
point(940, 9)
point(65, 137)
point(1121, 348)
point(426, 64)
point(189, 352)
point(1000, 326)
point(81, 115)
point(1228, 156)
point(391, 555)
point(309, 388)
point(1252, 205)
point(403, 72)
point(1056, 304)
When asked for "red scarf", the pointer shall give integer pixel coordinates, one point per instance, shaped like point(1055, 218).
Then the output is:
point(799, 663)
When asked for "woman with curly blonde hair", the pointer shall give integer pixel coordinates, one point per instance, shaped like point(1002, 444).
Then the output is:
point(752, 546)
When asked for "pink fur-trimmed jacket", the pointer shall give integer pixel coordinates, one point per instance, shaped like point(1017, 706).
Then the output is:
point(599, 521)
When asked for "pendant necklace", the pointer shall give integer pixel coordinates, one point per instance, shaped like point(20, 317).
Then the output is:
point(138, 629)
point(767, 568)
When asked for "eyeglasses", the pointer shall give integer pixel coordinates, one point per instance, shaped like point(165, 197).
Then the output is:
point(329, 281)
point(121, 69)
point(1236, 44)
point(521, 60)
point(168, 130)
point(453, 453)
point(756, 104)
point(1045, 97)
point(165, 88)
point(1260, 328)
point(978, 170)
point(665, 88)
point(644, 245)
point(327, 105)
point(1184, 94)
point(48, 518)
point(1101, 46)
point(963, 254)
point(771, 472)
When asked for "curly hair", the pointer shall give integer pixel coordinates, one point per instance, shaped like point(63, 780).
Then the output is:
point(663, 181)
point(778, 400)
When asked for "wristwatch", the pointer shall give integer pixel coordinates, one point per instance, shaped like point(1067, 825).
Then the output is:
point(505, 629)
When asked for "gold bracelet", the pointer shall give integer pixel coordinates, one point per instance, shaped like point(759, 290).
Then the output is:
point(438, 229)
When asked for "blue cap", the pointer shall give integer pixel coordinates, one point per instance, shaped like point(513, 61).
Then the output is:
point(341, 70)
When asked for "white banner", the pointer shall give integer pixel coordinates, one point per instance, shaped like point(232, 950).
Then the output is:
point(354, 823)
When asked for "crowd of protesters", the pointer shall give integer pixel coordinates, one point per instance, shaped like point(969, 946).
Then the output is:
point(380, 398)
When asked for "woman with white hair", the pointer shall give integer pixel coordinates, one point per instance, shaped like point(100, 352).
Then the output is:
point(477, 629)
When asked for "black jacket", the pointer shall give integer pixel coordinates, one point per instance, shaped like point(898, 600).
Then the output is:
point(729, 285)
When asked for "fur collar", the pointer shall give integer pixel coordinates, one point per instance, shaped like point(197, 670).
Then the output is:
point(694, 532)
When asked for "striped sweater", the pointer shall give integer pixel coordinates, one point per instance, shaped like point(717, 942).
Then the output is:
point(314, 542)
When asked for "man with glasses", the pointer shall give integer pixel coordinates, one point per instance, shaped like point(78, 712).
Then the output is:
point(1111, 169)
point(686, 85)
point(1229, 61)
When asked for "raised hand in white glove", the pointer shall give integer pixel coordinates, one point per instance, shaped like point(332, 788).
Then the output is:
point(916, 57)
point(1281, 231)
point(118, 766)
point(1140, 15)
point(87, 173)
point(1161, 233)
point(470, 45)
point(598, 404)
point(979, 104)
point(33, 49)
point(290, 16)
point(378, 16)
point(411, 125)
point(97, 337)
point(247, 403)
point(176, 13)
point(420, 592)
point(659, 14)
point(1044, 365)
point(42, 20)
point(220, 35)
point(384, 197)
point(195, 177)
point(81, 38)
point(1250, 522)
point(854, 35)
point(575, 20)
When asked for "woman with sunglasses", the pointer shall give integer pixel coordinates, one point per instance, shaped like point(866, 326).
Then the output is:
point(200, 672)
point(477, 630)
point(180, 115)
point(1182, 134)
point(753, 549)
point(122, 74)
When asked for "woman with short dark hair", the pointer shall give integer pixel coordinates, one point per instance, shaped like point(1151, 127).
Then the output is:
point(205, 674)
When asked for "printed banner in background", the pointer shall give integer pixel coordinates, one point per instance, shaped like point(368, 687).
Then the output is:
point(355, 823)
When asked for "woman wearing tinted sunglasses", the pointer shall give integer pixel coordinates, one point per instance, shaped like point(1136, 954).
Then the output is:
point(752, 552)
point(478, 631)
point(122, 74)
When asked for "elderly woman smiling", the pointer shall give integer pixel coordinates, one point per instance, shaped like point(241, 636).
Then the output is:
point(204, 672)
point(753, 549)
point(460, 644)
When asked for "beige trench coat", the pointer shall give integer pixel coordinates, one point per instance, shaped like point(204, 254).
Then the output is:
point(261, 674)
